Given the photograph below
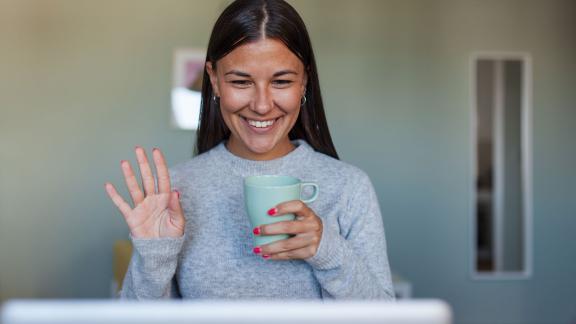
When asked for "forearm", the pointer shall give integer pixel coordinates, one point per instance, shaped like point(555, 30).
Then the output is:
point(346, 273)
point(152, 269)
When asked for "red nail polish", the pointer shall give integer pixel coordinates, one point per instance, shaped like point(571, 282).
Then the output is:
point(266, 256)
point(256, 231)
point(257, 250)
point(272, 211)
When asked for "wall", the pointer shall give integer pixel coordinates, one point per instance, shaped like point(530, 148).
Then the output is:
point(82, 82)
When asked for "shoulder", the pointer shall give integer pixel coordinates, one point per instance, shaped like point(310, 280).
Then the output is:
point(346, 173)
point(198, 165)
point(335, 173)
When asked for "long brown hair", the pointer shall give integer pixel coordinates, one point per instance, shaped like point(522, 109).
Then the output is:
point(242, 22)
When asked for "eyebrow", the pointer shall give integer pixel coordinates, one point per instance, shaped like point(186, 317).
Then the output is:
point(247, 75)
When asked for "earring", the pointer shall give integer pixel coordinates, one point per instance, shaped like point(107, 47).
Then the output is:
point(215, 99)
point(303, 101)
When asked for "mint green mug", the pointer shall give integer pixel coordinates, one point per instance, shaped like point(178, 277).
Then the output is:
point(261, 193)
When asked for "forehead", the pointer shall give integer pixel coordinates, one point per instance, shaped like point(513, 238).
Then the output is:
point(264, 55)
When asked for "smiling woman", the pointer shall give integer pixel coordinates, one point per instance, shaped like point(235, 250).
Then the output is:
point(261, 114)
point(260, 86)
point(262, 45)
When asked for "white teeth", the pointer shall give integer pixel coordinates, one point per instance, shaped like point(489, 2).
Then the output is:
point(260, 124)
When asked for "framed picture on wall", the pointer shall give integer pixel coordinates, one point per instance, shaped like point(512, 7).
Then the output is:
point(188, 73)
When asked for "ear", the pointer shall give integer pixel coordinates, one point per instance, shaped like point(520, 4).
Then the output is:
point(213, 78)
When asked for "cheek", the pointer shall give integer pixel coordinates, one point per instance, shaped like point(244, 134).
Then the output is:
point(234, 100)
point(288, 100)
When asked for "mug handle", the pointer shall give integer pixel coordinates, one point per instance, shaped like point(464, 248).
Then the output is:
point(314, 195)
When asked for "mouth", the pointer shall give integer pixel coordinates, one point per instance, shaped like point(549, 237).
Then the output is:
point(260, 126)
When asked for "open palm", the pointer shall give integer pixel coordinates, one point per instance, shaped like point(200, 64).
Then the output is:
point(157, 212)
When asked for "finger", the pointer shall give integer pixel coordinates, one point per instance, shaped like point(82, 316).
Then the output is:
point(296, 207)
point(288, 227)
point(123, 206)
point(293, 243)
point(145, 171)
point(161, 171)
point(176, 213)
point(299, 254)
point(132, 183)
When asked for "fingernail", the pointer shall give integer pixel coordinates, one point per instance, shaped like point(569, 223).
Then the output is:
point(136, 147)
point(272, 211)
point(257, 250)
point(177, 193)
point(256, 231)
point(155, 149)
point(122, 162)
point(266, 256)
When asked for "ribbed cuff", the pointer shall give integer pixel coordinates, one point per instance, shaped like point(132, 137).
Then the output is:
point(161, 248)
point(330, 252)
point(154, 265)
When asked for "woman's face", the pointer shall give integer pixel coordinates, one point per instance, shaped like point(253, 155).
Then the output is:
point(260, 85)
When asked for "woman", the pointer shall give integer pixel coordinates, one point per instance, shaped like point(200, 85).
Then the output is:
point(262, 113)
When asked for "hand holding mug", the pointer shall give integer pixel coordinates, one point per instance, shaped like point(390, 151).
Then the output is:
point(306, 232)
point(157, 212)
point(284, 226)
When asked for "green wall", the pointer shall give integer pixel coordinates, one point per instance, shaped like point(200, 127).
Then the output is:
point(82, 82)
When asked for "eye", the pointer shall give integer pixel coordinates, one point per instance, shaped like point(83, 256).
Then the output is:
point(241, 83)
point(282, 83)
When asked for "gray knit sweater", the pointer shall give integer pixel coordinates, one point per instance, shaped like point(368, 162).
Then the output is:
point(214, 258)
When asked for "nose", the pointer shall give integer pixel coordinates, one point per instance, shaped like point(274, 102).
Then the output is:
point(262, 102)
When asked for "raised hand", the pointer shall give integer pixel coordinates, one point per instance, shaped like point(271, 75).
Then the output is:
point(157, 212)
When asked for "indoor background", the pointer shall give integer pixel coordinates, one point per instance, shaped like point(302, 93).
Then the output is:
point(82, 82)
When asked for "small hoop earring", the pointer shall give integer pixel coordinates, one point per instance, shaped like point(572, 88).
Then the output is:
point(215, 99)
point(303, 101)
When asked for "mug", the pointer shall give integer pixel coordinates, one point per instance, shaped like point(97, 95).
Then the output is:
point(261, 193)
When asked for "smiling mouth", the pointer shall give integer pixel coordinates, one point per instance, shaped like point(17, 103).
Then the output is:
point(263, 124)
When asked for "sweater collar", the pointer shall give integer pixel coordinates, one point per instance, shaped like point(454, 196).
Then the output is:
point(245, 167)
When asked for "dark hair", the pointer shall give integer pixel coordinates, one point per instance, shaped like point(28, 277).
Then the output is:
point(243, 22)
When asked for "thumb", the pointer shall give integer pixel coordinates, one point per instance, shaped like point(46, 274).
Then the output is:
point(175, 207)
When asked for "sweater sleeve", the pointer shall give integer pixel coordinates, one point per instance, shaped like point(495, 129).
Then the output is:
point(150, 274)
point(351, 261)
